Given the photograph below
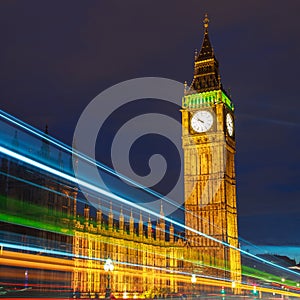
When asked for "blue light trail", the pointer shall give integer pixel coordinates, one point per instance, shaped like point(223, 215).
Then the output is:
point(110, 195)
point(68, 149)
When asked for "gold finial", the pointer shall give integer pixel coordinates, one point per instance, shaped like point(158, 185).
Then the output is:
point(206, 21)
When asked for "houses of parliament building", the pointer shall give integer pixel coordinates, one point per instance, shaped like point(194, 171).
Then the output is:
point(150, 259)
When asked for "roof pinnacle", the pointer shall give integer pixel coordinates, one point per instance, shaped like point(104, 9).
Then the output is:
point(161, 208)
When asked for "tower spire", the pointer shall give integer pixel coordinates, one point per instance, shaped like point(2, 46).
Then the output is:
point(206, 68)
point(207, 50)
point(131, 223)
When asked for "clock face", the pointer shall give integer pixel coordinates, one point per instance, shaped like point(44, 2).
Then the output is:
point(202, 121)
point(229, 124)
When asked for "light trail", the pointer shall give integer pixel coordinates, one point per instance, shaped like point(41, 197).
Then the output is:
point(11, 119)
point(58, 264)
point(251, 272)
point(69, 149)
point(78, 154)
point(21, 220)
point(9, 258)
point(85, 257)
point(62, 264)
point(110, 195)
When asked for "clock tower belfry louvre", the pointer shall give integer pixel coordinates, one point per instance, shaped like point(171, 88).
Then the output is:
point(208, 141)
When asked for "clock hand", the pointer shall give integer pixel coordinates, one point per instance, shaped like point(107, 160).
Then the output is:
point(200, 120)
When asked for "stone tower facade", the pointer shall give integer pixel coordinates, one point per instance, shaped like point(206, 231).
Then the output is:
point(209, 151)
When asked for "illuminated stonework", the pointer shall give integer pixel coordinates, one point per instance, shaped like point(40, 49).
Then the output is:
point(143, 265)
point(147, 264)
point(210, 183)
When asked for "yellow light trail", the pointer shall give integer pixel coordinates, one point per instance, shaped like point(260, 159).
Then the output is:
point(26, 260)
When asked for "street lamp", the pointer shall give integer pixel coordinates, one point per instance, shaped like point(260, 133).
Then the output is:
point(233, 286)
point(108, 267)
point(193, 280)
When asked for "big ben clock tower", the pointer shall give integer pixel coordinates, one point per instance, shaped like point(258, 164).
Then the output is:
point(209, 173)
